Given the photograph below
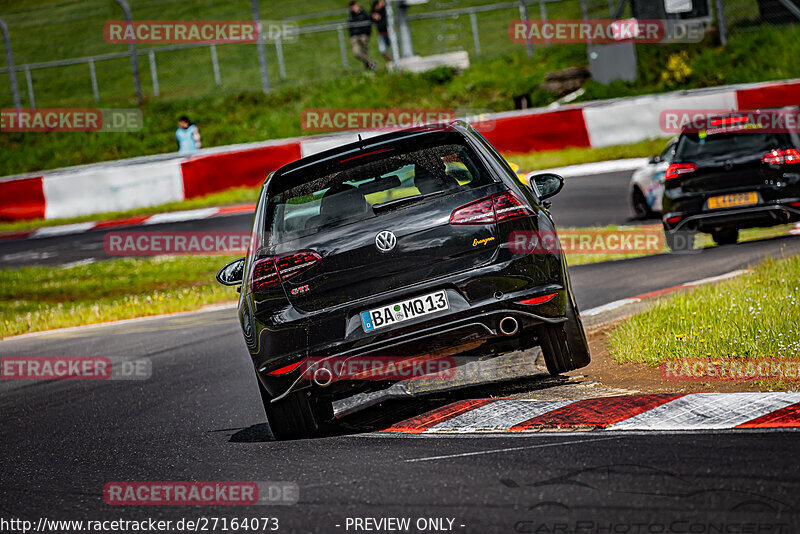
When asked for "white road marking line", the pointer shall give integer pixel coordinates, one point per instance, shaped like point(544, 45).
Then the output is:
point(608, 307)
point(708, 411)
point(499, 415)
point(710, 279)
point(180, 216)
point(508, 449)
point(67, 329)
point(630, 300)
point(64, 229)
point(586, 170)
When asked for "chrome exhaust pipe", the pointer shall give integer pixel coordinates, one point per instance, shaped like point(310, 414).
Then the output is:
point(509, 326)
point(323, 377)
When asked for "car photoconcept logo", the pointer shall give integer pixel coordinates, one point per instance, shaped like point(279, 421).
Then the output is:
point(385, 241)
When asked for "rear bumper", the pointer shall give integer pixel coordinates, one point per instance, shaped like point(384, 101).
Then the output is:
point(766, 214)
point(449, 334)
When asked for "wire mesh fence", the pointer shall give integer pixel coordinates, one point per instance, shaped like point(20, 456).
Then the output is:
point(62, 59)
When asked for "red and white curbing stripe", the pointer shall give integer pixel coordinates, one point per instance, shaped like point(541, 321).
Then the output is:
point(143, 220)
point(638, 298)
point(667, 412)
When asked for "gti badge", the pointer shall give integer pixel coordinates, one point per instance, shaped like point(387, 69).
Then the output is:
point(385, 241)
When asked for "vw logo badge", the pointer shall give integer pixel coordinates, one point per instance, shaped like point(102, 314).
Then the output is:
point(385, 241)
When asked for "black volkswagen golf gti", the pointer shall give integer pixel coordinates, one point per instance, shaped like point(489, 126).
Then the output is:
point(396, 246)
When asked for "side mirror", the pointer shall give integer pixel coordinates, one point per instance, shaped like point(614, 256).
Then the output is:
point(547, 184)
point(654, 160)
point(231, 274)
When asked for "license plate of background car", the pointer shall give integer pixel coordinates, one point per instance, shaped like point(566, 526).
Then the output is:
point(729, 201)
point(404, 311)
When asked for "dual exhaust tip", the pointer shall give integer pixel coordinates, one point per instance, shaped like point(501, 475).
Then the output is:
point(509, 326)
point(324, 378)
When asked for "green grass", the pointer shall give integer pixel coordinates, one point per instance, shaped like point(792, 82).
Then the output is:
point(239, 112)
point(547, 159)
point(756, 315)
point(701, 241)
point(43, 298)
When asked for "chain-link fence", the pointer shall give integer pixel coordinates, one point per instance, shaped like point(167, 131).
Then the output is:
point(749, 15)
point(62, 59)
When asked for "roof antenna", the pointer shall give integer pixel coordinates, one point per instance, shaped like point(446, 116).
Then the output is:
point(360, 142)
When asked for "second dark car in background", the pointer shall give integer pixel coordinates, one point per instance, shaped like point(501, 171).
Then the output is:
point(736, 172)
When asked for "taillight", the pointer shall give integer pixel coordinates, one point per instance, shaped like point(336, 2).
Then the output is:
point(539, 300)
point(507, 206)
point(264, 275)
point(296, 263)
point(478, 212)
point(676, 170)
point(274, 270)
point(285, 369)
point(497, 208)
point(781, 156)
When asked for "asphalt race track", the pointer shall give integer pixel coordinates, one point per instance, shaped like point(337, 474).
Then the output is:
point(198, 418)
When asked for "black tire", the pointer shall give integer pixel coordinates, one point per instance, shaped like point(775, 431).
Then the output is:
point(680, 241)
point(728, 236)
point(298, 415)
point(564, 345)
point(641, 209)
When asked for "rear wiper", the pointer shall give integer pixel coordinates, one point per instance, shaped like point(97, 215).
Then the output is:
point(394, 203)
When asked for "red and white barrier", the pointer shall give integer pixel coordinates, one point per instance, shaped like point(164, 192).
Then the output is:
point(150, 181)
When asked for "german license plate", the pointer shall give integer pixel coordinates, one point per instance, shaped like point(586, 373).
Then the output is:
point(729, 201)
point(404, 311)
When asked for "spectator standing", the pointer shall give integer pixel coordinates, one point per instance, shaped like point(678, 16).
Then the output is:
point(188, 136)
point(359, 26)
point(381, 24)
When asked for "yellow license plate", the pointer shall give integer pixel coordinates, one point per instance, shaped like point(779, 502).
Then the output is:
point(728, 201)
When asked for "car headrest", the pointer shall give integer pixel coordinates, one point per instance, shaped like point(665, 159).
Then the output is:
point(342, 202)
point(428, 180)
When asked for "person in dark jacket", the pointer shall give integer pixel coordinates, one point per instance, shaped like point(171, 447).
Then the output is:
point(381, 24)
point(359, 26)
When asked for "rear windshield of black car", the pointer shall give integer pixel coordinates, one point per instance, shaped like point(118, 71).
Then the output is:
point(702, 144)
point(364, 186)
